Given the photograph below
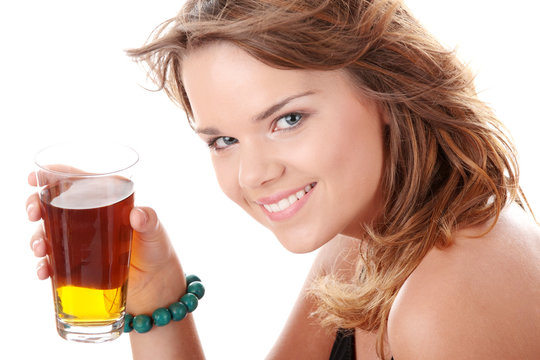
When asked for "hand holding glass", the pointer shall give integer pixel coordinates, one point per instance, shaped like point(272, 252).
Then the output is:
point(86, 193)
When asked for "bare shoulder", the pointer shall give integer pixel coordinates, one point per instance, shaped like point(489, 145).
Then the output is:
point(478, 299)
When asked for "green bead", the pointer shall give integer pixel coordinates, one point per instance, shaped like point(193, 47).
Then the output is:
point(178, 311)
point(128, 318)
point(191, 278)
point(196, 288)
point(161, 317)
point(142, 323)
point(190, 301)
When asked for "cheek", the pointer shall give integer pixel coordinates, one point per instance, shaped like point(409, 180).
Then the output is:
point(354, 159)
point(227, 177)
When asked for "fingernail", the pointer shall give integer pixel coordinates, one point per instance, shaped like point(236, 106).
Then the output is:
point(144, 215)
point(30, 209)
point(35, 244)
point(40, 265)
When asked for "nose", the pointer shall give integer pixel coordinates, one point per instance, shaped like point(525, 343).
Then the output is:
point(258, 166)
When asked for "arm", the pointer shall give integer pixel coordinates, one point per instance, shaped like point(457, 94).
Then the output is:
point(157, 280)
point(302, 337)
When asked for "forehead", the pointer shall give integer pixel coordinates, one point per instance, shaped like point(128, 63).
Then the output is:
point(222, 78)
point(220, 66)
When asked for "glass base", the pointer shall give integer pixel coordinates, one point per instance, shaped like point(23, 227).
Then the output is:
point(90, 332)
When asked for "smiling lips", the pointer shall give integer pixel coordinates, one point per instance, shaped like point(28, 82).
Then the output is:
point(284, 205)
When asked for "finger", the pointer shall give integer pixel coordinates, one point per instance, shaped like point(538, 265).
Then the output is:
point(145, 222)
point(43, 271)
point(39, 248)
point(38, 235)
point(32, 179)
point(151, 247)
point(43, 177)
point(32, 207)
point(53, 173)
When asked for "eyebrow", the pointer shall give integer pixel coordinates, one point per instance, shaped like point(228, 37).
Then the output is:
point(263, 114)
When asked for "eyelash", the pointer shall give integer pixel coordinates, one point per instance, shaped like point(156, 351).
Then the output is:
point(212, 142)
point(292, 114)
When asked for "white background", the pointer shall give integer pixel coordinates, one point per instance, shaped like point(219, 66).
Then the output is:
point(63, 75)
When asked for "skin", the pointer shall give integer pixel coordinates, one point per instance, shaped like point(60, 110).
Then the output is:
point(336, 147)
point(478, 299)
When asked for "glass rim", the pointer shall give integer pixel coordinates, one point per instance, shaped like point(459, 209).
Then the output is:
point(84, 174)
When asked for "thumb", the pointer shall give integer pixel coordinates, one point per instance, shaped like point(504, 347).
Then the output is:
point(151, 246)
point(146, 224)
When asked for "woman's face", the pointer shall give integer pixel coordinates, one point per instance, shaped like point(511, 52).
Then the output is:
point(300, 151)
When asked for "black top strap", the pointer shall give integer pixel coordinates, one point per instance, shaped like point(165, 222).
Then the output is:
point(344, 348)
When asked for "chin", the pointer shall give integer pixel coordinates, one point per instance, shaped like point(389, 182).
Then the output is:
point(296, 249)
point(301, 244)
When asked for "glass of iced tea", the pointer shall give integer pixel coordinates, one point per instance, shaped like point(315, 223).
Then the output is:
point(86, 193)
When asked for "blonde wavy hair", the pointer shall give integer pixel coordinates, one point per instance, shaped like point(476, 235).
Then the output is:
point(448, 162)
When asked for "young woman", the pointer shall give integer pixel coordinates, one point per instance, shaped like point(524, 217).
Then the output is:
point(343, 125)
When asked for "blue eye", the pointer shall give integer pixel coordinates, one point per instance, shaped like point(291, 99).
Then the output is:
point(222, 142)
point(288, 121)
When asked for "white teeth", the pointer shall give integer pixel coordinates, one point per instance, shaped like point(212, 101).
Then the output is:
point(288, 201)
point(292, 199)
point(283, 204)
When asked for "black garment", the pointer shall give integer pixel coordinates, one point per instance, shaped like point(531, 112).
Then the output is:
point(344, 346)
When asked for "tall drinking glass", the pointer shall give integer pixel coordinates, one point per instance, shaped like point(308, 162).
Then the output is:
point(86, 193)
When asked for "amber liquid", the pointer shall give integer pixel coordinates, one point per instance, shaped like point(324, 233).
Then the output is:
point(88, 239)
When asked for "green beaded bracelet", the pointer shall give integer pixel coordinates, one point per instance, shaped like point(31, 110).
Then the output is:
point(176, 311)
